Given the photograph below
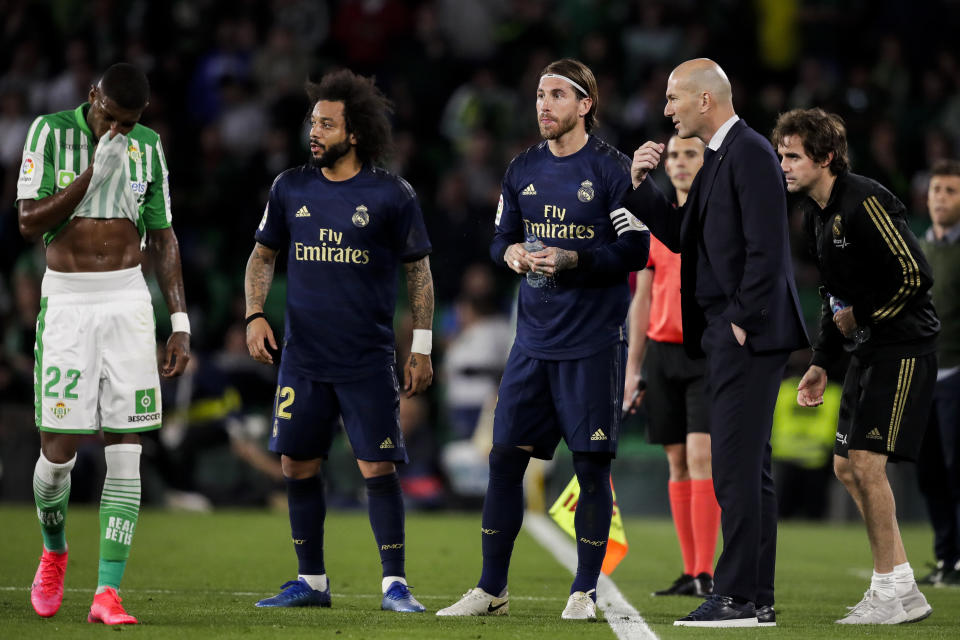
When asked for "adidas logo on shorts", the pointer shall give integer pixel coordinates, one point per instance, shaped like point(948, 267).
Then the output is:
point(874, 434)
point(387, 444)
point(598, 435)
point(529, 191)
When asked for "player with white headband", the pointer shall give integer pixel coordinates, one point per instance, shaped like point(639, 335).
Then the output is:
point(565, 375)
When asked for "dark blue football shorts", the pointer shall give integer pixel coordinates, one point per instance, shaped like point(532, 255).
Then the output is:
point(542, 401)
point(307, 413)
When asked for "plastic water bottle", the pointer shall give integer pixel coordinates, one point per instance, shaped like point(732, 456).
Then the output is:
point(534, 279)
point(860, 334)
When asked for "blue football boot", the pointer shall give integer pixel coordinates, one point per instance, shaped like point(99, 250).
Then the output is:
point(399, 598)
point(297, 593)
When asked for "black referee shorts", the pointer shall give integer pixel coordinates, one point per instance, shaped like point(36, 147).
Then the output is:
point(675, 398)
point(885, 405)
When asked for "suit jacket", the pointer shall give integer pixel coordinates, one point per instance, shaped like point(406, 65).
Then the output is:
point(734, 226)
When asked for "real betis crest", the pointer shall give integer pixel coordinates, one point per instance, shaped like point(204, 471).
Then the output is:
point(60, 410)
point(361, 217)
point(585, 192)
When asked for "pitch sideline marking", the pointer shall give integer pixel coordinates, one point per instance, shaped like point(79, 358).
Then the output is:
point(626, 622)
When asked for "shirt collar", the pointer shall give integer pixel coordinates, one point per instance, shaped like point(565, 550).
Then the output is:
point(951, 237)
point(81, 115)
point(721, 133)
point(836, 190)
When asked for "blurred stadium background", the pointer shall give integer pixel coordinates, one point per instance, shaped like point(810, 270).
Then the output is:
point(227, 100)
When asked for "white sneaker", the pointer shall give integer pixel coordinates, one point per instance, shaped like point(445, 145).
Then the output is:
point(915, 604)
point(478, 602)
point(874, 609)
point(580, 606)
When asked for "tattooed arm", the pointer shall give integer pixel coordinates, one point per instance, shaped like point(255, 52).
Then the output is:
point(418, 372)
point(256, 286)
point(164, 254)
point(551, 260)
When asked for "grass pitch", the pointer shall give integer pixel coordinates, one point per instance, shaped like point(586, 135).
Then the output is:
point(197, 576)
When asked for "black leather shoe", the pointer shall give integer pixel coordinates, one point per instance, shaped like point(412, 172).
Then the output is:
point(720, 611)
point(685, 585)
point(766, 616)
point(704, 585)
point(951, 578)
point(935, 577)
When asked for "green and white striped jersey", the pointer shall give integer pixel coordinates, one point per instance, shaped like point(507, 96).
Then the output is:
point(59, 147)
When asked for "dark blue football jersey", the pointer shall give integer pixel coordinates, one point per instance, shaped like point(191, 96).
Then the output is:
point(572, 203)
point(345, 242)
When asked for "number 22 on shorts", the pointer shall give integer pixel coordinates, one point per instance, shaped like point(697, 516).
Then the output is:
point(72, 378)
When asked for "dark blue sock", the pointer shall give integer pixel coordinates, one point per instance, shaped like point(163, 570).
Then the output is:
point(502, 515)
point(385, 503)
point(308, 508)
point(592, 519)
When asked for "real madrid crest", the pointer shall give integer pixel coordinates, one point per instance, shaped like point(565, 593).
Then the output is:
point(837, 227)
point(585, 192)
point(360, 217)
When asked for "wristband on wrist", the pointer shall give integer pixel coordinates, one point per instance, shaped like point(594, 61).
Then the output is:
point(422, 341)
point(180, 322)
point(253, 316)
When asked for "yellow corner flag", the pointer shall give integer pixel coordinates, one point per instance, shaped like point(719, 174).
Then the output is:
point(564, 509)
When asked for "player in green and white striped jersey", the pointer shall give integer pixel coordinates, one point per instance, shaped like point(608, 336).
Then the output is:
point(93, 184)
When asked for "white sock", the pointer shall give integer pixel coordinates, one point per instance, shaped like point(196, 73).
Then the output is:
point(903, 578)
point(884, 585)
point(389, 580)
point(52, 473)
point(317, 583)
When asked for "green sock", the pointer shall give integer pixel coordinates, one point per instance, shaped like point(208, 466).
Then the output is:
point(51, 492)
point(119, 509)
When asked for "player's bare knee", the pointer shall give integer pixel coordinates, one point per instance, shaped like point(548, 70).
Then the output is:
point(841, 468)
point(121, 438)
point(299, 469)
point(376, 468)
point(698, 462)
point(677, 462)
point(868, 468)
point(58, 447)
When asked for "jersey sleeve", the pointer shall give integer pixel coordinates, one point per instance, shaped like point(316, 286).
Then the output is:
point(901, 272)
point(630, 251)
point(273, 231)
point(35, 179)
point(508, 223)
point(411, 232)
point(156, 204)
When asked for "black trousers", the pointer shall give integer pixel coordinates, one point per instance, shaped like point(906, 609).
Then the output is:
point(742, 389)
point(938, 469)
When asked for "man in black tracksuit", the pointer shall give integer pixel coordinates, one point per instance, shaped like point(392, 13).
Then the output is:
point(877, 306)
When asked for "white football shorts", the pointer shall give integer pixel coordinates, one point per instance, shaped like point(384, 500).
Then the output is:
point(95, 357)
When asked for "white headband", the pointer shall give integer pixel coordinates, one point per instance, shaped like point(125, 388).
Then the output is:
point(575, 85)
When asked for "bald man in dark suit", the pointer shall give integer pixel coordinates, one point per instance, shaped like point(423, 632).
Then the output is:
point(740, 310)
